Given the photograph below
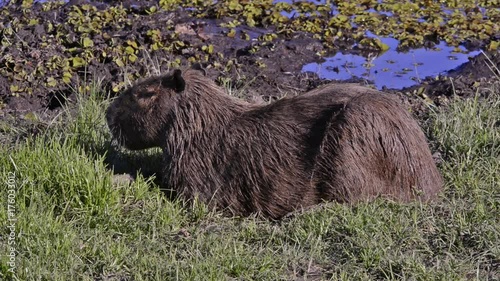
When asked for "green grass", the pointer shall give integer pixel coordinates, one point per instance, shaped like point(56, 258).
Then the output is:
point(74, 223)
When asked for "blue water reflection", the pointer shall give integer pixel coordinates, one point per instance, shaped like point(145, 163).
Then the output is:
point(392, 69)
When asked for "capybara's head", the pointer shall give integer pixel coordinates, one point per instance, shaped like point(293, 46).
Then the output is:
point(138, 116)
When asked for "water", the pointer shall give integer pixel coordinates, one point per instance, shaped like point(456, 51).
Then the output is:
point(391, 69)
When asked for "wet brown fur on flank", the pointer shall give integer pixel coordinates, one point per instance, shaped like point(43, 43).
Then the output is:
point(341, 142)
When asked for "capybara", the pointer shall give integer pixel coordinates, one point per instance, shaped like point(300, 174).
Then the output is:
point(340, 142)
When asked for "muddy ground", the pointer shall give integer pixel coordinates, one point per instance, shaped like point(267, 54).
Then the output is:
point(261, 70)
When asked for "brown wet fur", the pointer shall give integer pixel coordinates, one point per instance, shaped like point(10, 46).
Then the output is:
point(341, 142)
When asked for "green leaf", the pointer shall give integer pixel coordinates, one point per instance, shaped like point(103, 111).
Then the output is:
point(31, 116)
point(129, 50)
point(383, 47)
point(231, 33)
point(14, 88)
point(132, 44)
point(78, 62)
point(27, 3)
point(493, 45)
point(51, 82)
point(235, 6)
point(50, 27)
point(87, 42)
point(67, 77)
point(250, 22)
point(119, 62)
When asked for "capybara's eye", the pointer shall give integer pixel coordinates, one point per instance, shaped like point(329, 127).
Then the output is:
point(145, 94)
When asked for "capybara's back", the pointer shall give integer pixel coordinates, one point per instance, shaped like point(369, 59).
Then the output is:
point(373, 147)
point(341, 142)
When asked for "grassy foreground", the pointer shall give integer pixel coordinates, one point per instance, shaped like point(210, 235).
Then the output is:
point(63, 218)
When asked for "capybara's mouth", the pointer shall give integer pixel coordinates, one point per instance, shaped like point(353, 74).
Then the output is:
point(116, 136)
point(114, 128)
point(121, 139)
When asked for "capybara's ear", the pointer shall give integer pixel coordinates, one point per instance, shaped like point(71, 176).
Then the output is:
point(199, 67)
point(179, 83)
